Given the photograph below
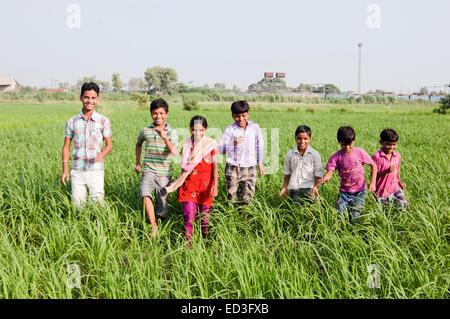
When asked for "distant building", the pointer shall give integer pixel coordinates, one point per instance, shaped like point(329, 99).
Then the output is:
point(8, 84)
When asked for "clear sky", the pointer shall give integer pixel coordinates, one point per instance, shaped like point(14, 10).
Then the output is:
point(406, 44)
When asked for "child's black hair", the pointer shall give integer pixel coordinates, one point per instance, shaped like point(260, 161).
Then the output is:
point(158, 103)
point(89, 86)
point(198, 119)
point(303, 129)
point(389, 135)
point(239, 107)
point(346, 135)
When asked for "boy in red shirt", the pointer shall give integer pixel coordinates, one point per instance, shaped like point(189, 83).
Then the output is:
point(389, 186)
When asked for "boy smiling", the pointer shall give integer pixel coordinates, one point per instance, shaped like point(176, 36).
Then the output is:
point(389, 185)
point(302, 168)
point(88, 129)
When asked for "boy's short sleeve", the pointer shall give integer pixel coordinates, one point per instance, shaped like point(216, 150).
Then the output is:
point(141, 136)
point(364, 157)
point(287, 165)
point(332, 163)
point(68, 131)
point(107, 128)
point(318, 168)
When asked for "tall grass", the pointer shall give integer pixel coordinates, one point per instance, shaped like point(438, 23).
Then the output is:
point(271, 249)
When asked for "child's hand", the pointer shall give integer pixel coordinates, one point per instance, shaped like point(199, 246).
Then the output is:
point(315, 192)
point(262, 172)
point(138, 168)
point(214, 191)
point(372, 187)
point(283, 192)
point(392, 168)
point(65, 177)
point(99, 157)
point(238, 140)
point(402, 185)
point(161, 132)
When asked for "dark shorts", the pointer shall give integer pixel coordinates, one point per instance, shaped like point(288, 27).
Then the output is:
point(353, 203)
point(397, 198)
point(149, 183)
point(241, 182)
point(301, 194)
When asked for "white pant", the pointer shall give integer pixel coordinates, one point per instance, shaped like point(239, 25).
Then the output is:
point(92, 180)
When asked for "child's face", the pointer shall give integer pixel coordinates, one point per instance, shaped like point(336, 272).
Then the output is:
point(388, 147)
point(198, 131)
point(89, 100)
point(347, 148)
point(241, 119)
point(302, 140)
point(159, 116)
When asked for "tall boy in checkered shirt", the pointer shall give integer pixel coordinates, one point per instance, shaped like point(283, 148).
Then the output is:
point(87, 129)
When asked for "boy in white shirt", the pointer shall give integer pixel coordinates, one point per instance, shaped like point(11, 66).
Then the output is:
point(302, 168)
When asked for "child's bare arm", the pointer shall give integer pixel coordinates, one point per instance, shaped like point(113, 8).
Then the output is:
point(326, 177)
point(400, 183)
point(315, 190)
point(373, 176)
point(215, 174)
point(283, 191)
point(65, 176)
point(138, 156)
point(106, 151)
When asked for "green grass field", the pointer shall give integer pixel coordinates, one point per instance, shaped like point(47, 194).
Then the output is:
point(274, 249)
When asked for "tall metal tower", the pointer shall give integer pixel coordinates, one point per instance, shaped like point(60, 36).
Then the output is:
point(359, 68)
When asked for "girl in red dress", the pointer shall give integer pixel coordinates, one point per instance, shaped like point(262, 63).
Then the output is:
point(199, 165)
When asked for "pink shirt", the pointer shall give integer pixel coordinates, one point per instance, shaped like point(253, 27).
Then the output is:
point(389, 183)
point(350, 168)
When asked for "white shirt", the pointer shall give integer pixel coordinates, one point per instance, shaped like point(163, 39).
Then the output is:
point(249, 152)
point(302, 169)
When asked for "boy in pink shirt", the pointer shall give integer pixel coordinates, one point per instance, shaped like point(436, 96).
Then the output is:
point(349, 163)
point(389, 185)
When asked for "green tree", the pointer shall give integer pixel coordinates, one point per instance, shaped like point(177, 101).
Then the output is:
point(444, 106)
point(116, 82)
point(423, 91)
point(160, 80)
point(220, 86)
point(135, 84)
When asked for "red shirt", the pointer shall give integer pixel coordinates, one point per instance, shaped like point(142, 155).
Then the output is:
point(389, 183)
point(197, 186)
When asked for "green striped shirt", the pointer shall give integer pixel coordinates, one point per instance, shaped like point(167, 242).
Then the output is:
point(157, 157)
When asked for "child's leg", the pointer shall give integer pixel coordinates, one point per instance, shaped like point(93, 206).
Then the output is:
point(231, 176)
point(148, 184)
point(150, 211)
point(162, 207)
point(205, 215)
point(400, 199)
point(189, 212)
point(249, 176)
point(342, 202)
point(95, 184)
point(78, 188)
point(357, 206)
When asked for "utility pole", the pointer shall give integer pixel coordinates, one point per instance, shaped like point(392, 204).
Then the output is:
point(359, 68)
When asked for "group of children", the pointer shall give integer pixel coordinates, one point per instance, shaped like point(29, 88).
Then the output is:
point(242, 143)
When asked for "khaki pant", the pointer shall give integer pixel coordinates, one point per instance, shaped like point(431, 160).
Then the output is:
point(87, 180)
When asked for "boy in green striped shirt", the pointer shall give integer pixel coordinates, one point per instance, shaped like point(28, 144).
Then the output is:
point(160, 146)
